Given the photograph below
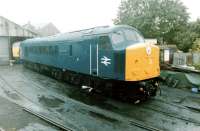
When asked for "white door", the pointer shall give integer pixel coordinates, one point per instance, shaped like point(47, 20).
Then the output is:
point(4, 51)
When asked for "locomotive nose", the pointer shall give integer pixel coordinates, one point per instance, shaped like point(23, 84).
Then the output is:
point(142, 62)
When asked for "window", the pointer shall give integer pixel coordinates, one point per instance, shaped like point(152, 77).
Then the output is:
point(63, 50)
point(46, 50)
point(43, 49)
point(40, 50)
point(56, 49)
point(133, 36)
point(50, 50)
point(70, 50)
point(26, 51)
point(117, 37)
point(1, 23)
point(104, 42)
point(30, 49)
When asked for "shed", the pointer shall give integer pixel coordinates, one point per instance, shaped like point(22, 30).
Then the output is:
point(11, 32)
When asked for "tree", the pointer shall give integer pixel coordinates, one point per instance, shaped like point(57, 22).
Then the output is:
point(161, 19)
point(195, 27)
point(184, 39)
point(196, 45)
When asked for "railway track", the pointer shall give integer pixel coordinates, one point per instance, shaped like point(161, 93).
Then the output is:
point(176, 116)
point(154, 108)
point(162, 112)
point(57, 124)
point(176, 105)
point(144, 126)
point(10, 88)
point(43, 117)
point(135, 123)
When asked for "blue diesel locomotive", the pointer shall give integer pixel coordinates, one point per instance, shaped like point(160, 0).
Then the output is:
point(112, 59)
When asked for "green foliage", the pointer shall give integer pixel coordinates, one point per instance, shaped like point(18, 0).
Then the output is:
point(196, 45)
point(161, 19)
point(195, 27)
point(197, 66)
point(184, 38)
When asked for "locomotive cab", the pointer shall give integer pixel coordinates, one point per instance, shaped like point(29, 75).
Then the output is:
point(141, 60)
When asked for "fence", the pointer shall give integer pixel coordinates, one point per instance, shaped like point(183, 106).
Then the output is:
point(186, 59)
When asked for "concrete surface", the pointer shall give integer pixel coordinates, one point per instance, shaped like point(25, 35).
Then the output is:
point(13, 117)
point(175, 110)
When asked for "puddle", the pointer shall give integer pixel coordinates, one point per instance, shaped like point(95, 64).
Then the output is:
point(36, 126)
point(1, 129)
point(12, 95)
point(192, 103)
point(50, 102)
point(103, 117)
point(91, 99)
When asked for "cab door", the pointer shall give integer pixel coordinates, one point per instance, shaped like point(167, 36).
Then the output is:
point(94, 55)
point(105, 57)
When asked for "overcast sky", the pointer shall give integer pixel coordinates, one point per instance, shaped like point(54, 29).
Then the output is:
point(69, 15)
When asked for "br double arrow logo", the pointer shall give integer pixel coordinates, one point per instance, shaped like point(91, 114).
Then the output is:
point(105, 60)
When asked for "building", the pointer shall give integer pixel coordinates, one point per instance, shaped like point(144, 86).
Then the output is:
point(43, 29)
point(48, 30)
point(10, 33)
point(167, 53)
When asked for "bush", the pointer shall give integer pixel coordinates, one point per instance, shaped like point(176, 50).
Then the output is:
point(197, 66)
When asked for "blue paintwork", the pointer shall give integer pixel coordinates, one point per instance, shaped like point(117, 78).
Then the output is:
point(71, 51)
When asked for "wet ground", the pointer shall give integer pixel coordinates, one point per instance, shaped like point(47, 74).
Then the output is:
point(13, 117)
point(174, 110)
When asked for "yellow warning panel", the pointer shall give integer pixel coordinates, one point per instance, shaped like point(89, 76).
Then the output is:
point(142, 62)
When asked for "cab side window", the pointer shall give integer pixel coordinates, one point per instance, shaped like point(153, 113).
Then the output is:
point(104, 42)
point(133, 36)
point(117, 37)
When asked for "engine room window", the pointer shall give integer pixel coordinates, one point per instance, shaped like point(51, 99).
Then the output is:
point(117, 37)
point(70, 50)
point(104, 42)
point(26, 51)
point(133, 36)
